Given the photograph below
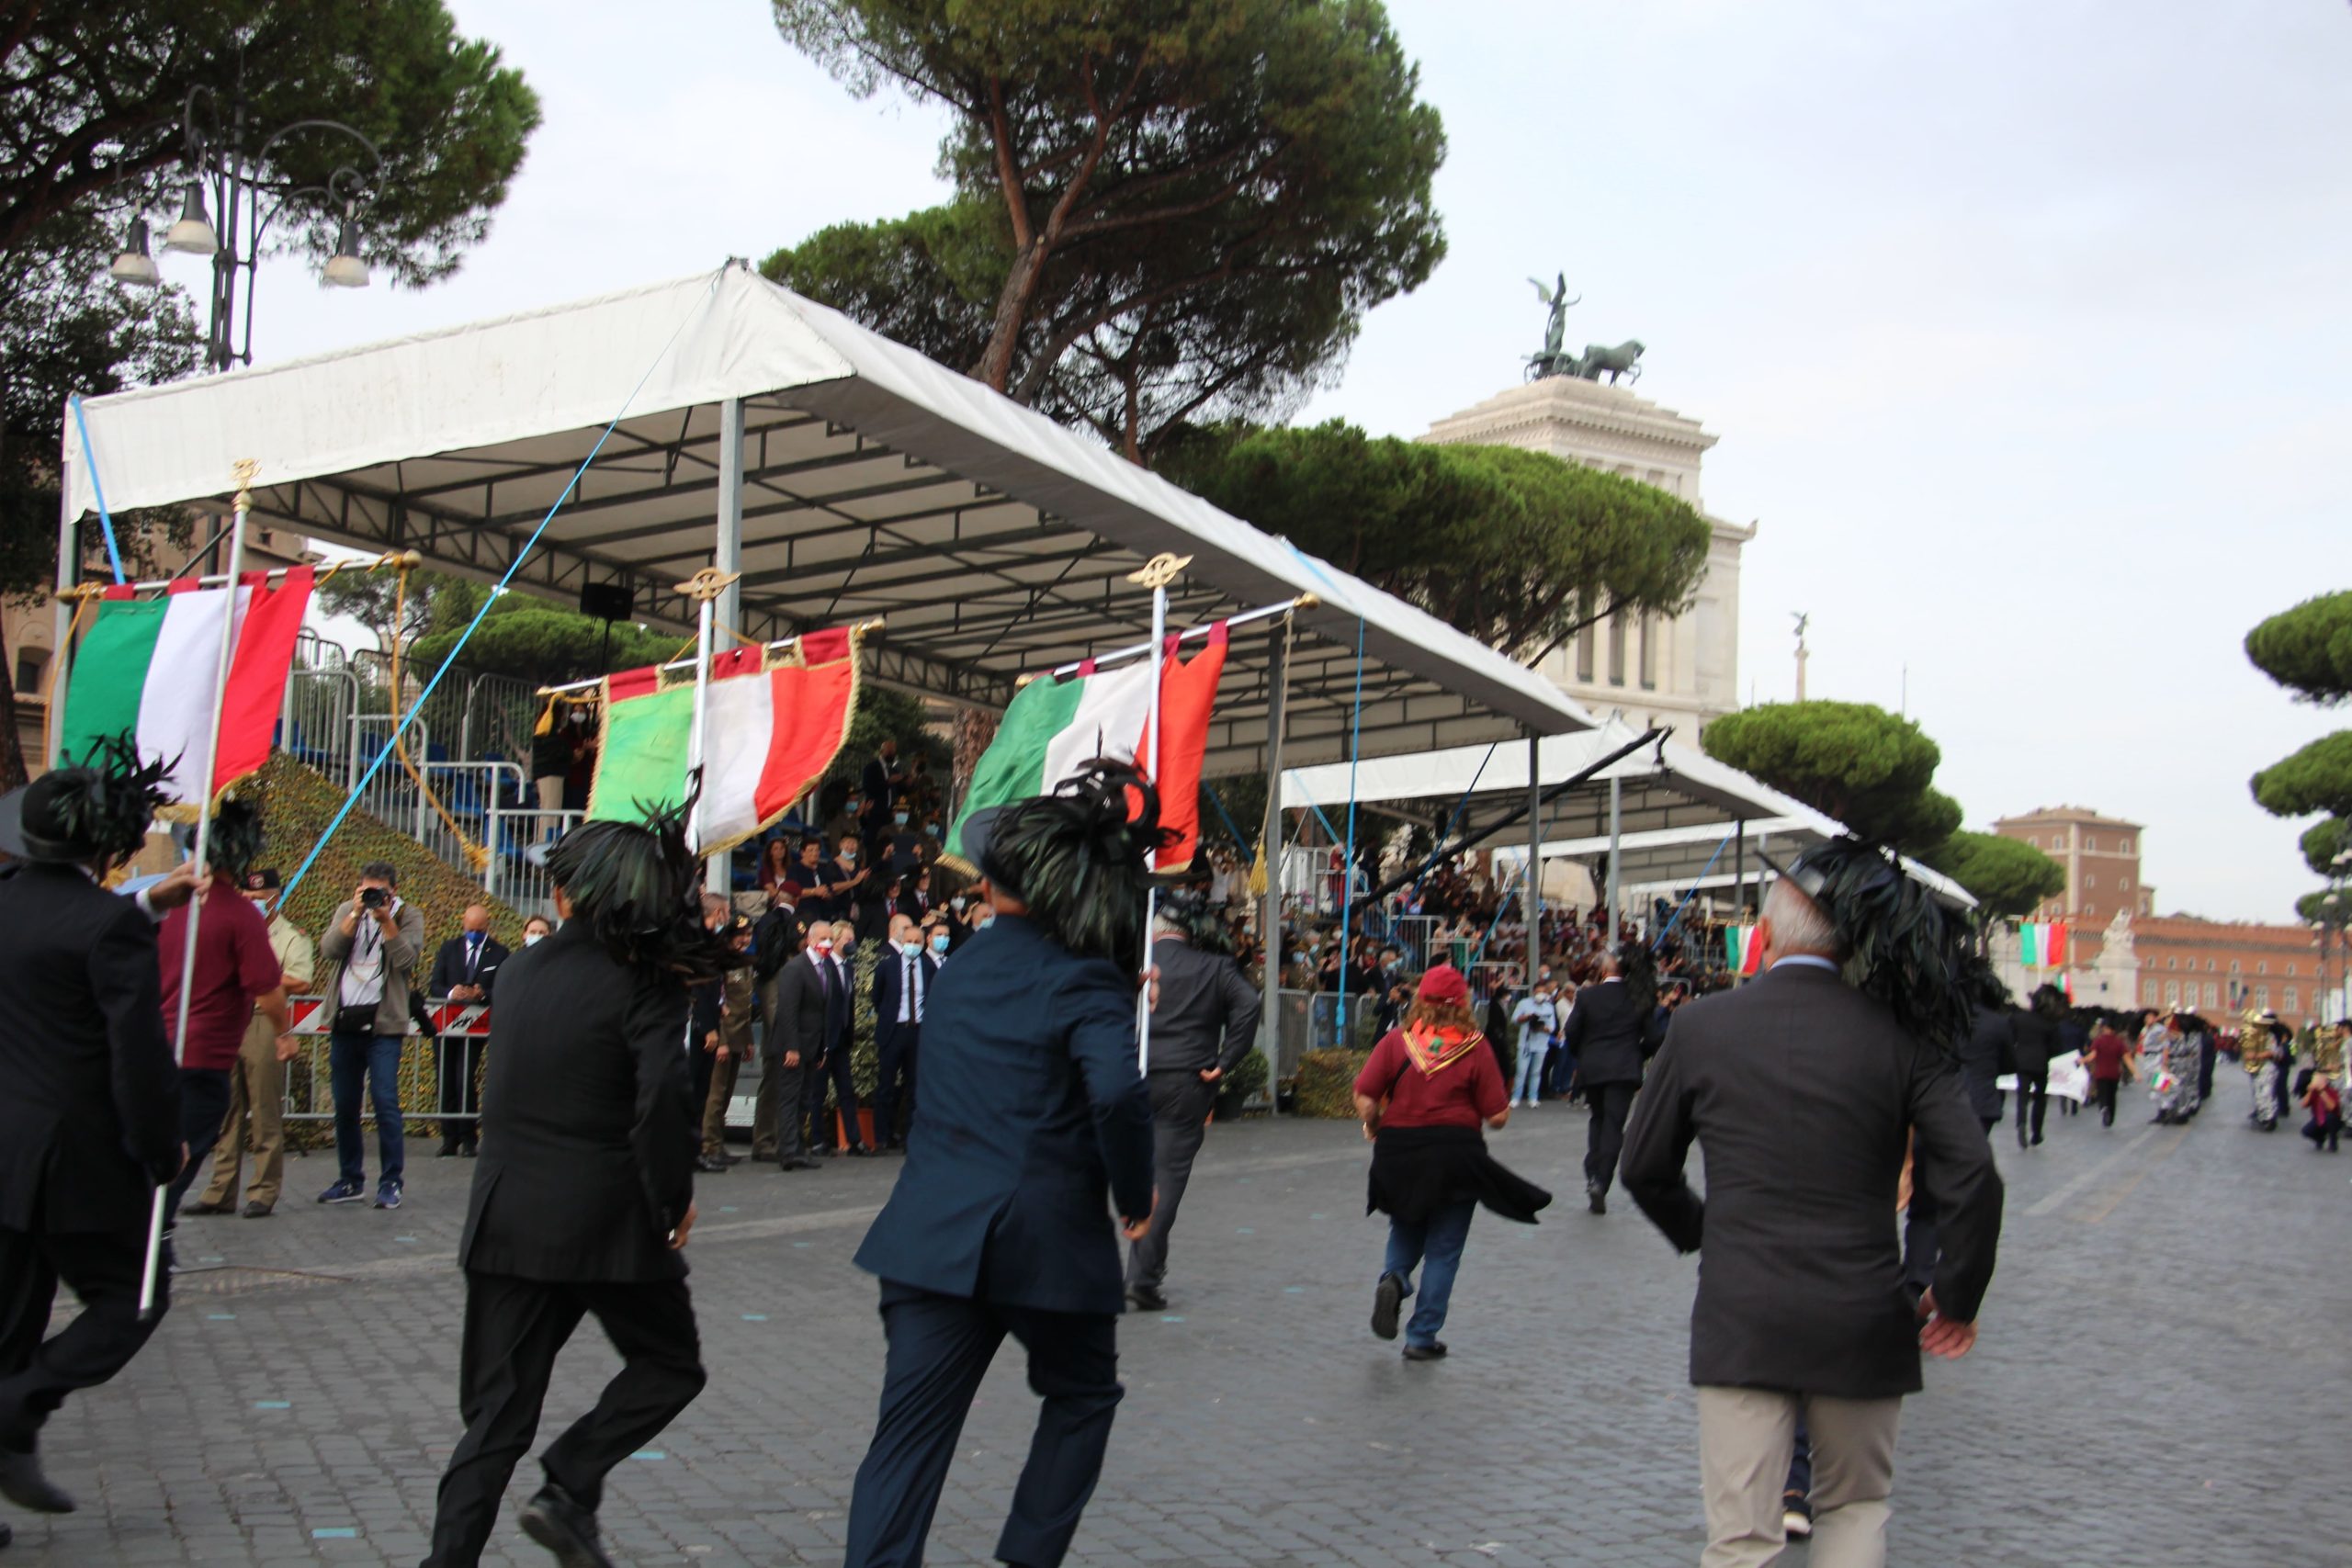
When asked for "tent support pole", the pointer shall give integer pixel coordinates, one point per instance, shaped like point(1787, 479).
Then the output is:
point(1533, 959)
point(1270, 849)
point(69, 570)
point(726, 554)
point(1739, 871)
point(1616, 835)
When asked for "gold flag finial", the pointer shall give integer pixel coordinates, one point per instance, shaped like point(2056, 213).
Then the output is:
point(709, 583)
point(244, 468)
point(1159, 570)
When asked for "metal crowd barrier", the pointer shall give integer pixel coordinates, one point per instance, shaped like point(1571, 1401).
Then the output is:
point(309, 1085)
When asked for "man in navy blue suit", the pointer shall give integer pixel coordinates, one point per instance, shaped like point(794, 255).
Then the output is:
point(903, 978)
point(1033, 1124)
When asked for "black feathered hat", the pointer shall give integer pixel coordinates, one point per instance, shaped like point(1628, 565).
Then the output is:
point(1076, 857)
point(1189, 912)
point(639, 887)
point(1900, 945)
point(98, 810)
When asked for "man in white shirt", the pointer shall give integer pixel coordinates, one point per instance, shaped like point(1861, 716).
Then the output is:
point(903, 980)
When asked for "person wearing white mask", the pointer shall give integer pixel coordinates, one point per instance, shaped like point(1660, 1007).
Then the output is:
point(537, 929)
point(825, 1051)
point(901, 985)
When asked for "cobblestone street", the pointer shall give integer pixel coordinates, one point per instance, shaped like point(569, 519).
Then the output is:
point(2161, 1380)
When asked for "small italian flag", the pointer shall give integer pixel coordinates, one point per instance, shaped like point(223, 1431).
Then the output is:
point(151, 666)
point(2043, 943)
point(1057, 726)
point(1742, 951)
point(773, 723)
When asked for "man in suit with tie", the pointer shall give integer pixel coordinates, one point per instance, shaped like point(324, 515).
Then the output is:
point(1034, 1122)
point(463, 971)
point(776, 941)
point(583, 1197)
point(1611, 1031)
point(831, 1062)
point(1206, 1022)
point(1803, 1091)
point(901, 988)
point(90, 1117)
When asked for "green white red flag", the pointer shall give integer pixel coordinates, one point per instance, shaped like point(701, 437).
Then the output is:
point(151, 668)
point(774, 722)
point(2041, 944)
point(1053, 727)
point(1743, 955)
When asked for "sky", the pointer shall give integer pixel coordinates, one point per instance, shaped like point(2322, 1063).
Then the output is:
point(2023, 324)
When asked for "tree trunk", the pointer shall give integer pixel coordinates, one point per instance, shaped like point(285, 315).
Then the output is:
point(975, 727)
point(1013, 303)
point(12, 751)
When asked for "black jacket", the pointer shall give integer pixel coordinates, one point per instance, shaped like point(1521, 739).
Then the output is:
point(1801, 1091)
point(1032, 1125)
point(776, 941)
point(809, 1017)
point(588, 1129)
point(2037, 1042)
point(1207, 1015)
point(89, 1099)
point(1608, 1035)
point(449, 967)
point(889, 972)
point(1987, 1053)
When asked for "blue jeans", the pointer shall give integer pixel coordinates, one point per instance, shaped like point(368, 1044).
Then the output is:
point(1532, 1053)
point(375, 1058)
point(1563, 1068)
point(1436, 1242)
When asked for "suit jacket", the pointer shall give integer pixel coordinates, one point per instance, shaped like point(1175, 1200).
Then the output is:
point(1033, 1122)
point(809, 1017)
point(449, 967)
point(776, 941)
point(588, 1125)
point(890, 974)
point(1207, 1015)
point(1802, 1092)
point(89, 1113)
point(1608, 1035)
point(2037, 1042)
point(1985, 1056)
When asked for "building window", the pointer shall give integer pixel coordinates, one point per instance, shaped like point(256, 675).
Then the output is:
point(1585, 639)
point(2262, 966)
point(2209, 967)
point(2124, 848)
point(30, 664)
point(2262, 996)
point(1616, 650)
point(2213, 993)
point(1649, 653)
point(2148, 993)
point(2290, 975)
point(2171, 993)
point(2124, 885)
point(2090, 882)
point(2291, 999)
point(2170, 964)
point(2091, 845)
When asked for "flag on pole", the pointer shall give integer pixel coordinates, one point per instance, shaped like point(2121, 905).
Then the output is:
point(775, 722)
point(1057, 726)
point(151, 666)
point(2041, 944)
point(1742, 951)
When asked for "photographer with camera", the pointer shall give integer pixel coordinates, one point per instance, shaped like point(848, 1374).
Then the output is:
point(372, 944)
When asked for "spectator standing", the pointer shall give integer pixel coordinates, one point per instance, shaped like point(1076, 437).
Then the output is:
point(1611, 1033)
point(903, 980)
point(1989, 1051)
point(464, 970)
point(2036, 1041)
point(371, 945)
point(817, 898)
point(797, 1013)
point(254, 1125)
point(1538, 1021)
point(2325, 1102)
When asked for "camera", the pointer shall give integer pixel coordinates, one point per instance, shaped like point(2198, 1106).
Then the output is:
point(373, 897)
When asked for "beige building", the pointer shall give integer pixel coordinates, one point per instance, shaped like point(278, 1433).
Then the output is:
point(1681, 671)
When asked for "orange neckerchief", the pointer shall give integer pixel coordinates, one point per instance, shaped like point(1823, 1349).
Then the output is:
point(1439, 1049)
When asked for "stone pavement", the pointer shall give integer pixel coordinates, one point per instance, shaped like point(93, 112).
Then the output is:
point(2161, 1380)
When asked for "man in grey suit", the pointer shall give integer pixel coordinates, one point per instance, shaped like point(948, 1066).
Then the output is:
point(1804, 1090)
point(1204, 1023)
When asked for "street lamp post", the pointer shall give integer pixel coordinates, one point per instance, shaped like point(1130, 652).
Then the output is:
point(217, 163)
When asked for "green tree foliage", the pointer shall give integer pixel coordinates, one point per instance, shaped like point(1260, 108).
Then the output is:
point(883, 715)
point(2323, 842)
point(1861, 764)
point(1516, 549)
point(2308, 650)
point(2317, 778)
point(91, 116)
point(530, 638)
point(1164, 212)
point(2009, 877)
point(2313, 908)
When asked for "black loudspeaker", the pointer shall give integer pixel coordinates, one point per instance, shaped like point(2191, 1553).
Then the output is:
point(607, 600)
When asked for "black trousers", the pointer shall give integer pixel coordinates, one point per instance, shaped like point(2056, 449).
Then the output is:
point(102, 1268)
point(2103, 1096)
point(456, 1059)
point(940, 1349)
point(513, 1330)
point(1610, 1104)
point(2032, 1094)
point(1180, 1110)
point(897, 1046)
point(203, 1106)
point(838, 1072)
point(779, 1103)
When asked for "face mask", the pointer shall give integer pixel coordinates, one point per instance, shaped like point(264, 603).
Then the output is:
point(957, 900)
point(932, 828)
point(848, 857)
point(987, 921)
point(939, 942)
point(821, 949)
point(533, 939)
point(899, 817)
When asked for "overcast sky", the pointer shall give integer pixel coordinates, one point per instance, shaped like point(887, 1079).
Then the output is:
point(2023, 324)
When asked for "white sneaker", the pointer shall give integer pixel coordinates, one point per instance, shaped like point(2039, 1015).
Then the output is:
point(1796, 1524)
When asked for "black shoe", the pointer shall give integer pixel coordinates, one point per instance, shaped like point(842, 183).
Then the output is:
point(1596, 1197)
point(1433, 1352)
point(446, 1151)
point(207, 1208)
point(2037, 1140)
point(564, 1527)
point(859, 1151)
point(6, 1535)
point(709, 1167)
point(1387, 1301)
point(22, 1484)
point(2022, 1142)
point(256, 1211)
point(800, 1163)
point(894, 1147)
point(1147, 1298)
point(468, 1151)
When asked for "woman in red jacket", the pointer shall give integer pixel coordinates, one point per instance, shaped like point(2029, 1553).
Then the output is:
point(1424, 1096)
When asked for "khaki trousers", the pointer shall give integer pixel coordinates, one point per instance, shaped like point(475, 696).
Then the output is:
point(255, 1123)
point(714, 1110)
point(1745, 1436)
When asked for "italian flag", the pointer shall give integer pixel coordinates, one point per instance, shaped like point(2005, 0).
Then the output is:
point(151, 668)
point(1742, 952)
point(2041, 944)
point(1057, 726)
point(774, 724)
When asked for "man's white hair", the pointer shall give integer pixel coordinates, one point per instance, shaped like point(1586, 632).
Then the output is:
point(1799, 924)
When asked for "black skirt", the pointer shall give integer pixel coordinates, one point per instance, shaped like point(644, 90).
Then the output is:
point(1416, 1171)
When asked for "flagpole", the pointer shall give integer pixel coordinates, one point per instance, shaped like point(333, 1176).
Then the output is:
point(704, 588)
point(1156, 574)
point(245, 470)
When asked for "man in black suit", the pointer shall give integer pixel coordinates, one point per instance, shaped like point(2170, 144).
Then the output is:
point(882, 784)
point(1033, 1123)
point(800, 1025)
point(776, 941)
point(833, 1045)
point(1611, 1031)
point(1803, 1091)
point(89, 1119)
point(463, 971)
point(1204, 1023)
point(903, 978)
point(584, 1198)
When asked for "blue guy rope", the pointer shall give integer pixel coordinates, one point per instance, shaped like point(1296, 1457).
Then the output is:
point(490, 599)
point(1348, 867)
point(1223, 814)
point(1502, 906)
point(1670, 924)
point(1454, 818)
point(90, 461)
